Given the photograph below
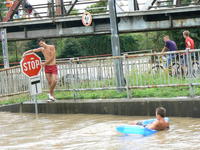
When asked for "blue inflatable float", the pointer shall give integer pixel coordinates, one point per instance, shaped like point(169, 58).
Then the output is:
point(137, 129)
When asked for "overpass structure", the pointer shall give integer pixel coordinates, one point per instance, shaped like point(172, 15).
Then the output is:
point(137, 21)
point(152, 18)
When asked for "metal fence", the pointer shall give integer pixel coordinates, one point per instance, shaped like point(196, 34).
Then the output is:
point(149, 70)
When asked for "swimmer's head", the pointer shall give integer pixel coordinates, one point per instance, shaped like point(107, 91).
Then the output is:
point(166, 38)
point(41, 42)
point(186, 33)
point(161, 111)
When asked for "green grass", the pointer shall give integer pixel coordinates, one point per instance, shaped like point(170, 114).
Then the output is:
point(167, 92)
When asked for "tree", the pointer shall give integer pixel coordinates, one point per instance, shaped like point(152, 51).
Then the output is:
point(102, 7)
point(71, 48)
point(2, 9)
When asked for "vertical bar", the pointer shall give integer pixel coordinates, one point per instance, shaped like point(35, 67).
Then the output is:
point(53, 10)
point(4, 47)
point(116, 44)
point(58, 7)
point(190, 75)
point(131, 5)
point(127, 76)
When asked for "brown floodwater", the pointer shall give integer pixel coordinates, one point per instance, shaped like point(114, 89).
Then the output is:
point(91, 132)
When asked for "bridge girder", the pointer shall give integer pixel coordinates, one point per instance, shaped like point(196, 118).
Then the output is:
point(154, 20)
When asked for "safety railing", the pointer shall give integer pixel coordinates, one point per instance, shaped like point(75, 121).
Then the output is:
point(149, 70)
point(77, 7)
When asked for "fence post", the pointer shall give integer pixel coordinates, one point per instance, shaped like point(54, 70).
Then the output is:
point(127, 75)
point(116, 45)
point(190, 72)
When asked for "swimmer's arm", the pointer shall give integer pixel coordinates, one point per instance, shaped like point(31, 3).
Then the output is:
point(33, 51)
point(153, 125)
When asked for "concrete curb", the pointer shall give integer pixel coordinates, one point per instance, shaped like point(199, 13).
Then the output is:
point(179, 107)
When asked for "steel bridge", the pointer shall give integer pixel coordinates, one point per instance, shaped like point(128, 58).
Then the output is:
point(57, 19)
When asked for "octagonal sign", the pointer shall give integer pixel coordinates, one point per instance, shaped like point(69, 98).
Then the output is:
point(31, 65)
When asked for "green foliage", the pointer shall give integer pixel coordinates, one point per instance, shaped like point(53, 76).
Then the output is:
point(93, 45)
point(99, 4)
point(2, 8)
point(71, 48)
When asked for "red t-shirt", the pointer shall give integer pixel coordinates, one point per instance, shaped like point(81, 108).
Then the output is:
point(191, 41)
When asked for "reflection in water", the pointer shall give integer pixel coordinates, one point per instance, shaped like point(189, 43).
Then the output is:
point(91, 132)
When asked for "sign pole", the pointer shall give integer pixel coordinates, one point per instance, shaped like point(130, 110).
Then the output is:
point(35, 89)
point(36, 105)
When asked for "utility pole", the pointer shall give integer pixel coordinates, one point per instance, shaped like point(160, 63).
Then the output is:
point(116, 45)
point(4, 47)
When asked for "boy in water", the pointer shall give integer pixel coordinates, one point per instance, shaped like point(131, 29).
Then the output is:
point(160, 123)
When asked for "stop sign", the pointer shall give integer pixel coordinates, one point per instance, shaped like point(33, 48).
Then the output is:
point(31, 65)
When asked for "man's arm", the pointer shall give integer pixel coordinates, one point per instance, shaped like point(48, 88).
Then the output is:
point(164, 49)
point(153, 125)
point(33, 51)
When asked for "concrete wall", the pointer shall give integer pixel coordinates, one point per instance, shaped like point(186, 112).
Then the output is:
point(135, 107)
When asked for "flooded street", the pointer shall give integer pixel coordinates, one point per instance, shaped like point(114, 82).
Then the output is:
point(91, 132)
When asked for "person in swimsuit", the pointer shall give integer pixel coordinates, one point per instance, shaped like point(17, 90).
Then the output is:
point(160, 123)
point(49, 65)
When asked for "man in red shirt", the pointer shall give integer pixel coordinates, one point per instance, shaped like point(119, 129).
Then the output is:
point(189, 42)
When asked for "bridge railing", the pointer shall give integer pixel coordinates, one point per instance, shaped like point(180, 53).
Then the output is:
point(149, 70)
point(77, 7)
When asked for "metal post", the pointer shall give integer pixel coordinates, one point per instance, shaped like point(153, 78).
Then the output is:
point(177, 3)
point(4, 47)
point(53, 9)
point(133, 5)
point(36, 105)
point(116, 44)
point(190, 72)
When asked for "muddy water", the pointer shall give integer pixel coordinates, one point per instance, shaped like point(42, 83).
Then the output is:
point(91, 132)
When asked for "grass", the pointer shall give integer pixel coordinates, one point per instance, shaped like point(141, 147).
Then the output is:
point(167, 92)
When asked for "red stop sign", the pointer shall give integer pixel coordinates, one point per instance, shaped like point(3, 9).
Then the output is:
point(31, 65)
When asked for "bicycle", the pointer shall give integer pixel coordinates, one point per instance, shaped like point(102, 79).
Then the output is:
point(173, 69)
point(195, 72)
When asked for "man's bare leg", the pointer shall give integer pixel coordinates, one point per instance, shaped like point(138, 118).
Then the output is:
point(54, 79)
point(48, 77)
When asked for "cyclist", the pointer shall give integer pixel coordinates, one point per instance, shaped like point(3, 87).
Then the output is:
point(169, 46)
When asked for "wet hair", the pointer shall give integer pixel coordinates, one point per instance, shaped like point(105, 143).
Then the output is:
point(186, 33)
point(161, 111)
point(39, 40)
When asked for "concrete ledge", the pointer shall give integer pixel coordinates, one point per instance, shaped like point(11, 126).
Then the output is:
point(179, 107)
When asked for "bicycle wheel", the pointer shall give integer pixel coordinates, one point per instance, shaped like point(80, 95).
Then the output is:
point(195, 69)
point(157, 69)
point(175, 70)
